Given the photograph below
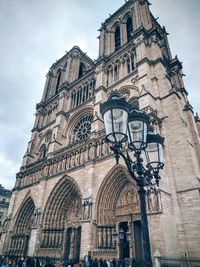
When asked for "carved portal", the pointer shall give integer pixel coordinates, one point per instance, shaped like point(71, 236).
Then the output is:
point(117, 206)
point(62, 219)
point(22, 230)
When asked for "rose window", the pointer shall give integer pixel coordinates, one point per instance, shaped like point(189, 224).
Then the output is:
point(83, 128)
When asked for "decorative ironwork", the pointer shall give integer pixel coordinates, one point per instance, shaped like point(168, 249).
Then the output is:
point(119, 117)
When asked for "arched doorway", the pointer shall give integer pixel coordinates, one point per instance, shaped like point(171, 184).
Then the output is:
point(22, 231)
point(117, 207)
point(61, 226)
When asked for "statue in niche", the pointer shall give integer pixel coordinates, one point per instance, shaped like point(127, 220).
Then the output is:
point(129, 197)
point(149, 200)
point(82, 158)
point(121, 201)
point(103, 148)
point(72, 160)
point(77, 159)
point(6, 222)
point(86, 208)
point(91, 151)
point(36, 218)
point(153, 199)
point(157, 199)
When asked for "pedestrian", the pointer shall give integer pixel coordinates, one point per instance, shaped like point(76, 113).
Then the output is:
point(113, 263)
point(95, 263)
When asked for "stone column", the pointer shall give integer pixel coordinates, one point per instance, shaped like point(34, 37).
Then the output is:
point(86, 238)
point(71, 254)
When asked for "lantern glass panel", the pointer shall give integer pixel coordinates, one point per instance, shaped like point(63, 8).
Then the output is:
point(154, 155)
point(137, 133)
point(128, 236)
point(116, 125)
point(121, 234)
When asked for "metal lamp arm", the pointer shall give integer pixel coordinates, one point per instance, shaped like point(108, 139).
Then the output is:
point(130, 165)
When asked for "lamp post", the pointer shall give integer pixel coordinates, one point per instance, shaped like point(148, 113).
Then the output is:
point(125, 123)
point(122, 236)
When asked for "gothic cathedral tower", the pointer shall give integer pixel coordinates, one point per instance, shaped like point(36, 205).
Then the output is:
point(69, 195)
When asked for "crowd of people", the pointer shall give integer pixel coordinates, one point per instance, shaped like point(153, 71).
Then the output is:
point(46, 262)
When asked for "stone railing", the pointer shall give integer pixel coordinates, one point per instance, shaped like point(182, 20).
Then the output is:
point(105, 254)
point(52, 238)
point(73, 156)
point(104, 237)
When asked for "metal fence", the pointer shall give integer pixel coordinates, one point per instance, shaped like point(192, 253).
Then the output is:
point(179, 262)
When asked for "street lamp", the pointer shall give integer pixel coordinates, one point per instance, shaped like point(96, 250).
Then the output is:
point(122, 237)
point(121, 242)
point(125, 123)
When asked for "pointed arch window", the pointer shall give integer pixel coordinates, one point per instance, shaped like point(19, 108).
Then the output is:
point(58, 81)
point(128, 66)
point(84, 92)
point(117, 38)
point(42, 151)
point(133, 60)
point(116, 73)
point(81, 70)
point(129, 29)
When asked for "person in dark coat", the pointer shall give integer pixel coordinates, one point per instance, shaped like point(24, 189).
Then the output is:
point(113, 263)
point(95, 263)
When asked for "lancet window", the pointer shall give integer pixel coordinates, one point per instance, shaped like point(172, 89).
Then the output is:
point(129, 61)
point(116, 73)
point(42, 151)
point(129, 29)
point(83, 93)
point(81, 70)
point(117, 38)
point(58, 81)
point(120, 67)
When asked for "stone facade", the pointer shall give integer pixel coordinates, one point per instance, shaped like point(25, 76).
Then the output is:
point(5, 196)
point(69, 195)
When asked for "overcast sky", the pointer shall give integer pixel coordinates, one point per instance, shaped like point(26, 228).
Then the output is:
point(33, 34)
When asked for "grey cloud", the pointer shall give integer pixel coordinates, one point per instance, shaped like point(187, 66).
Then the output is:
point(36, 33)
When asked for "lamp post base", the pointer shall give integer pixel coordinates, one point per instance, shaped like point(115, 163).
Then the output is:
point(145, 230)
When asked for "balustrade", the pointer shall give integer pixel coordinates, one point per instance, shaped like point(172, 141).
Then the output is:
point(76, 158)
point(52, 238)
point(82, 93)
point(104, 236)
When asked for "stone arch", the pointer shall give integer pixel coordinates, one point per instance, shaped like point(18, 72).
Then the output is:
point(61, 223)
point(112, 32)
point(127, 15)
point(73, 120)
point(109, 193)
point(129, 91)
point(44, 140)
point(22, 227)
point(116, 200)
point(63, 204)
point(115, 25)
point(58, 80)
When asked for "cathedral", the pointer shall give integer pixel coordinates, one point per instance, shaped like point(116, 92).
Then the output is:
point(70, 196)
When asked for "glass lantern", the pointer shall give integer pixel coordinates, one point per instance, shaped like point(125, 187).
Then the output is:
point(154, 151)
point(137, 129)
point(128, 235)
point(115, 115)
point(121, 234)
